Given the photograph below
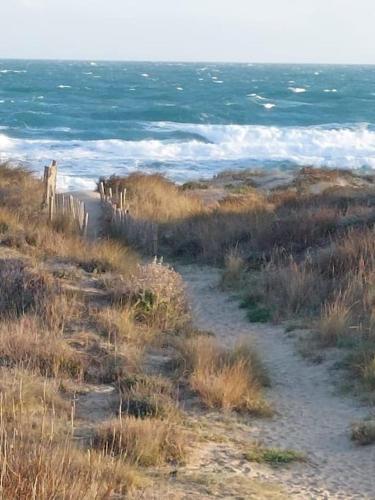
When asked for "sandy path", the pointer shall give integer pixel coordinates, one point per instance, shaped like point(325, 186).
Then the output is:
point(93, 207)
point(311, 417)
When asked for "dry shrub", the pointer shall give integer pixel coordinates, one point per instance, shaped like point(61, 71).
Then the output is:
point(363, 433)
point(155, 198)
point(352, 253)
point(98, 256)
point(42, 468)
point(297, 230)
point(334, 321)
point(292, 288)
point(9, 222)
point(362, 363)
point(230, 379)
point(26, 395)
point(148, 396)
point(21, 289)
point(146, 442)
point(119, 326)
point(234, 269)
point(20, 191)
point(157, 295)
point(25, 344)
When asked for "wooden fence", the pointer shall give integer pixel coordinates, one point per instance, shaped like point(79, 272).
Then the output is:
point(60, 205)
point(136, 231)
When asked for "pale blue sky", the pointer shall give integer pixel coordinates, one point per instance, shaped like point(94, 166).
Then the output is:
point(327, 31)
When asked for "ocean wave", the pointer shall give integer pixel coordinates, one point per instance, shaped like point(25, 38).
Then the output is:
point(351, 147)
point(297, 90)
point(5, 71)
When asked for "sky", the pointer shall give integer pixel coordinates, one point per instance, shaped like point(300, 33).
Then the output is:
point(290, 31)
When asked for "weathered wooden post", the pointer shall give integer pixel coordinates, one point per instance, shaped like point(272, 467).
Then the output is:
point(50, 176)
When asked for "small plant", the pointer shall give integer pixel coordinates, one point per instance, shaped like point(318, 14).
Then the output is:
point(363, 433)
point(273, 456)
point(146, 442)
point(148, 396)
point(230, 379)
point(256, 313)
point(233, 271)
point(334, 321)
point(157, 295)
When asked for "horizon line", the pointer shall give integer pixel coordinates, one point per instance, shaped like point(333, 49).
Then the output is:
point(171, 61)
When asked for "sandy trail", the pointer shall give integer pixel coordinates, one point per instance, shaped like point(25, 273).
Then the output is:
point(311, 418)
point(94, 209)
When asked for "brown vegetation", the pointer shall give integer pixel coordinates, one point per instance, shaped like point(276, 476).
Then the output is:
point(230, 379)
point(303, 248)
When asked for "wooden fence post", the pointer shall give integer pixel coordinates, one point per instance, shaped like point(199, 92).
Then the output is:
point(50, 176)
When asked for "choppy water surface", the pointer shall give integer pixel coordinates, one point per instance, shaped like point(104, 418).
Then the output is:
point(187, 120)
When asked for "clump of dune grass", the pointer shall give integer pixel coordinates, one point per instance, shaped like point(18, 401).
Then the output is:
point(21, 289)
point(25, 344)
point(234, 269)
point(229, 379)
point(98, 256)
point(119, 326)
point(363, 433)
point(334, 321)
point(43, 468)
point(146, 442)
point(24, 393)
point(153, 197)
point(272, 456)
point(361, 363)
point(156, 294)
point(148, 396)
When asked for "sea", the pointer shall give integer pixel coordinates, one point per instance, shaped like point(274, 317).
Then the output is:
point(185, 120)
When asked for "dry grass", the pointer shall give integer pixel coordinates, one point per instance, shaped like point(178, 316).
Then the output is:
point(43, 468)
point(230, 379)
point(119, 326)
point(149, 396)
point(99, 257)
point(156, 294)
point(27, 395)
point(146, 442)
point(234, 269)
point(21, 289)
point(154, 198)
point(334, 321)
point(363, 433)
point(25, 344)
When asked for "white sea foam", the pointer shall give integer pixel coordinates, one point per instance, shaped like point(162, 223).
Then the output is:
point(268, 105)
point(4, 71)
point(258, 97)
point(180, 88)
point(346, 148)
point(145, 75)
point(297, 90)
point(327, 91)
point(64, 86)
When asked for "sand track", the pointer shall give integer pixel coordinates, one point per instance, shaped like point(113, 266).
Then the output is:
point(311, 416)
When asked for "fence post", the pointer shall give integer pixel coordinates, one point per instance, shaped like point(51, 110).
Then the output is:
point(50, 176)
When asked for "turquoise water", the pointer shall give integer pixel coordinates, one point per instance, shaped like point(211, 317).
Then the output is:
point(187, 120)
